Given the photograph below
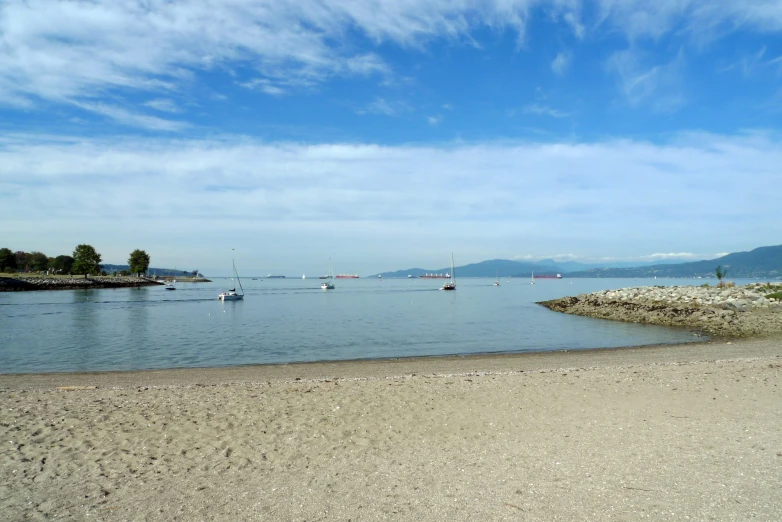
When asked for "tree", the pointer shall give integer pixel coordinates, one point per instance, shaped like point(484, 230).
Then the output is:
point(7, 260)
point(721, 273)
point(38, 261)
point(138, 261)
point(21, 261)
point(86, 260)
point(62, 264)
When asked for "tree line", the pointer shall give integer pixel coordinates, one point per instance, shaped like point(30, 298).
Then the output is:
point(85, 260)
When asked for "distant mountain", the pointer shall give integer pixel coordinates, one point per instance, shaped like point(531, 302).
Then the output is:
point(160, 272)
point(765, 262)
point(491, 268)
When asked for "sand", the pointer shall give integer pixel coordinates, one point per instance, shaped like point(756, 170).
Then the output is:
point(659, 433)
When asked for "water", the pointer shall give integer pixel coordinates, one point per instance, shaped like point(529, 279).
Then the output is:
point(293, 320)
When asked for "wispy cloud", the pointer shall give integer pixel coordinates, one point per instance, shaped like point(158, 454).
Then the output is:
point(544, 110)
point(163, 105)
point(91, 52)
point(132, 118)
point(385, 107)
point(560, 64)
point(658, 85)
point(434, 120)
point(615, 196)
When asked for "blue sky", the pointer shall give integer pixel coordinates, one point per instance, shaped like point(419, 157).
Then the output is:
point(386, 134)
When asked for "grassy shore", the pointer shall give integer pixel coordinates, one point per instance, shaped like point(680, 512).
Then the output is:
point(663, 433)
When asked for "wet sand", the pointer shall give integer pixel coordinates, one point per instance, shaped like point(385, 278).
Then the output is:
point(662, 433)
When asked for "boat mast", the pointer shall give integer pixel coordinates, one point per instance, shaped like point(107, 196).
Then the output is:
point(237, 276)
point(453, 272)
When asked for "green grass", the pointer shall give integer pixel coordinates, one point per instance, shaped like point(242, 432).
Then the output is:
point(775, 295)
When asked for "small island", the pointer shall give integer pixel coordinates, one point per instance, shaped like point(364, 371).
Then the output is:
point(724, 311)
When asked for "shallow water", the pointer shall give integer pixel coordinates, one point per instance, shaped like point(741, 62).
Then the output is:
point(293, 320)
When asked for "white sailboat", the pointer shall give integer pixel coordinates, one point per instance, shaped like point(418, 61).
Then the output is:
point(231, 294)
point(497, 282)
point(532, 279)
point(327, 284)
point(451, 285)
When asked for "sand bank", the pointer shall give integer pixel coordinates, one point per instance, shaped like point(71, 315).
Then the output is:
point(661, 433)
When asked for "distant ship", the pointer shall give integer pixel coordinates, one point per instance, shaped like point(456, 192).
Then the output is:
point(269, 276)
point(435, 276)
point(325, 277)
point(347, 276)
point(548, 276)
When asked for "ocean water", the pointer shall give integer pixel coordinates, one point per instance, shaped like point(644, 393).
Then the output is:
point(293, 320)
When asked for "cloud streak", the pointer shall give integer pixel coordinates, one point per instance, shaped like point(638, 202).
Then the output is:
point(85, 52)
point(611, 195)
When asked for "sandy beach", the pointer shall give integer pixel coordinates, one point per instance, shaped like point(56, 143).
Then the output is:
point(658, 433)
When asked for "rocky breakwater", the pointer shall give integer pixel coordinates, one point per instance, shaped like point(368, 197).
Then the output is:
point(26, 283)
point(727, 312)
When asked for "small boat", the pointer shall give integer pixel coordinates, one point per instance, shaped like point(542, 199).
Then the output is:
point(170, 286)
point(532, 281)
point(304, 276)
point(231, 294)
point(451, 285)
point(497, 282)
point(326, 285)
point(379, 276)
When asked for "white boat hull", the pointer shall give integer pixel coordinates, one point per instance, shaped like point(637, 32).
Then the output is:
point(230, 296)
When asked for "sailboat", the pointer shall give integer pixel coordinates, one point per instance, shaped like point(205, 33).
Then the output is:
point(497, 282)
point(231, 294)
point(451, 285)
point(328, 285)
point(532, 280)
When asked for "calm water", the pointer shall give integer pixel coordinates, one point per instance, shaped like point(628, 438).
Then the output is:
point(291, 320)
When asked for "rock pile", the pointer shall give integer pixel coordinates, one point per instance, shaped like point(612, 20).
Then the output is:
point(16, 284)
point(723, 312)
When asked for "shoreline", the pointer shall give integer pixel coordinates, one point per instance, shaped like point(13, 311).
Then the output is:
point(38, 283)
point(696, 351)
point(729, 312)
point(664, 433)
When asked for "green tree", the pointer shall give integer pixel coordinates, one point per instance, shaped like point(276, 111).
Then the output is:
point(62, 264)
point(86, 260)
point(21, 261)
point(7, 260)
point(721, 274)
point(138, 261)
point(38, 261)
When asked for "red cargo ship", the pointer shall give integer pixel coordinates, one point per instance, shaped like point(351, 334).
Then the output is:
point(347, 276)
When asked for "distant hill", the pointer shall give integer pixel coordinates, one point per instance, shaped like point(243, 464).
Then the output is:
point(491, 268)
point(160, 272)
point(762, 262)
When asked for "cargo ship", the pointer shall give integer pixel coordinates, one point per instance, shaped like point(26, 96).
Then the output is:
point(269, 276)
point(347, 276)
point(435, 276)
point(548, 276)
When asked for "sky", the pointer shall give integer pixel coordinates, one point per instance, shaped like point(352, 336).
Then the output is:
point(386, 134)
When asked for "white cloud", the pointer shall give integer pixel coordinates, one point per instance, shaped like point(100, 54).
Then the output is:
point(544, 110)
point(89, 52)
point(385, 107)
point(131, 118)
point(434, 120)
point(702, 20)
point(657, 85)
point(560, 63)
point(671, 255)
point(619, 196)
point(163, 105)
